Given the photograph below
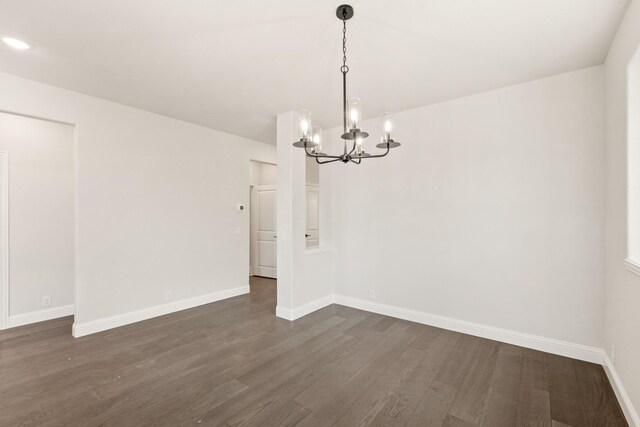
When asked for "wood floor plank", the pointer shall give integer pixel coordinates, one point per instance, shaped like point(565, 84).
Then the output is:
point(533, 395)
point(234, 363)
point(270, 404)
point(265, 395)
point(602, 408)
point(477, 368)
point(289, 414)
point(364, 409)
point(460, 361)
point(501, 406)
point(566, 403)
point(453, 421)
point(331, 397)
point(383, 324)
point(433, 407)
point(401, 402)
point(170, 411)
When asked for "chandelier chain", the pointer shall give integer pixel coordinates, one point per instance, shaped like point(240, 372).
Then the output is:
point(344, 69)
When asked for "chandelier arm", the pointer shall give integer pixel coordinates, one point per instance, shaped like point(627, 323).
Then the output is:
point(327, 161)
point(357, 163)
point(379, 155)
point(310, 154)
point(324, 156)
point(352, 148)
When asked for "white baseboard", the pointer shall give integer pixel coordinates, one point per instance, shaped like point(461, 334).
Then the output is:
point(549, 345)
point(627, 407)
point(632, 266)
point(40, 315)
point(284, 313)
point(87, 328)
point(298, 312)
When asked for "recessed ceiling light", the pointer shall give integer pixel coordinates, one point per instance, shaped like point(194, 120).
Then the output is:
point(16, 44)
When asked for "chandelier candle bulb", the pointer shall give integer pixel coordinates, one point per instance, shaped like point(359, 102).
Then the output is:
point(316, 139)
point(386, 126)
point(316, 135)
point(355, 113)
point(305, 125)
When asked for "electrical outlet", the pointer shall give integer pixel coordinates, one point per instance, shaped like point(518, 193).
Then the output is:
point(168, 296)
point(46, 300)
point(372, 294)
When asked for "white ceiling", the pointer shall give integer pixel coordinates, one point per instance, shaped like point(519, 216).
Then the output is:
point(234, 65)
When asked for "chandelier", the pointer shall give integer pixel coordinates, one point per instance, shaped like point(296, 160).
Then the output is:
point(353, 136)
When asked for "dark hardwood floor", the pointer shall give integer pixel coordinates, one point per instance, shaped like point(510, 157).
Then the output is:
point(235, 363)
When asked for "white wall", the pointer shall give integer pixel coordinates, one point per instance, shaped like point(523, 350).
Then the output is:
point(156, 201)
point(623, 286)
point(262, 173)
point(311, 171)
point(633, 154)
point(491, 211)
point(41, 217)
point(305, 277)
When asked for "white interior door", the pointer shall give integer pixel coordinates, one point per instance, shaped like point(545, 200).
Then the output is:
point(263, 211)
point(312, 228)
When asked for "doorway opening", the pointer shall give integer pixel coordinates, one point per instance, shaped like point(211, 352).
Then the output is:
point(312, 204)
point(263, 252)
point(37, 220)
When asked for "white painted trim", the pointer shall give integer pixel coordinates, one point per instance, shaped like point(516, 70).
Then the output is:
point(76, 215)
point(87, 328)
point(5, 318)
point(632, 266)
point(284, 313)
point(252, 230)
point(627, 407)
point(298, 312)
point(549, 345)
point(41, 315)
point(4, 243)
point(318, 250)
point(254, 213)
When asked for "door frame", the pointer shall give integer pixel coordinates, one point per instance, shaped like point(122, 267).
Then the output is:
point(5, 294)
point(4, 240)
point(253, 232)
point(252, 221)
point(315, 188)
